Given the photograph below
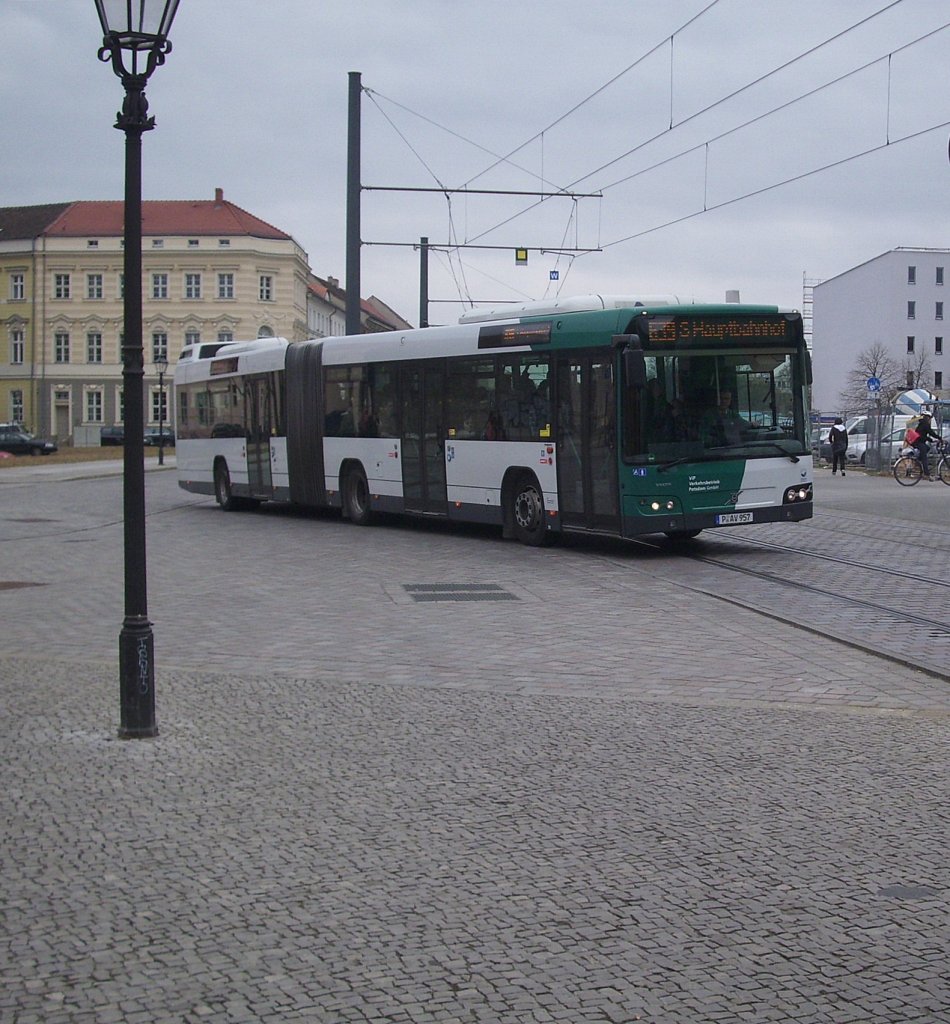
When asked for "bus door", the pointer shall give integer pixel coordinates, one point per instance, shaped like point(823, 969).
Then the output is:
point(586, 434)
point(423, 437)
point(258, 418)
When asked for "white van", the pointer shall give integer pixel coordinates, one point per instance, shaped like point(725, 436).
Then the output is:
point(858, 430)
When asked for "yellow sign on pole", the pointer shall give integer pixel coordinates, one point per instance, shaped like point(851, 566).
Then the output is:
point(521, 257)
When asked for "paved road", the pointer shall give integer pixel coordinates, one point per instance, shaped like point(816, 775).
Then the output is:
point(568, 793)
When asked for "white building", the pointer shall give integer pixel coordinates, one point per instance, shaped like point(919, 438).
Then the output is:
point(895, 300)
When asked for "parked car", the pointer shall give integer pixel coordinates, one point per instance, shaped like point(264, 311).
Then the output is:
point(154, 438)
point(16, 441)
point(112, 435)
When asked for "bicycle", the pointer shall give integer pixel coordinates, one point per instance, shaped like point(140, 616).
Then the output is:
point(908, 469)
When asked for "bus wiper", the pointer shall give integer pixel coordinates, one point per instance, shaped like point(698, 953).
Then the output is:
point(777, 447)
point(675, 462)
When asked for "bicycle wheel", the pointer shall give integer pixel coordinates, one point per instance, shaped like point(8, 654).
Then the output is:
point(943, 470)
point(907, 470)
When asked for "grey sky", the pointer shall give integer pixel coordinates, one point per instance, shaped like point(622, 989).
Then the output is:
point(253, 100)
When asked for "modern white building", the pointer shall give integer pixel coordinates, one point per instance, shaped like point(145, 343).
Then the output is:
point(896, 301)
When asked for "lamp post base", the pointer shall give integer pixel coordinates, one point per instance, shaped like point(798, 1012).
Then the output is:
point(137, 680)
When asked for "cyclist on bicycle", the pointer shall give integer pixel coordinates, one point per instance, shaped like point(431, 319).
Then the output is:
point(924, 431)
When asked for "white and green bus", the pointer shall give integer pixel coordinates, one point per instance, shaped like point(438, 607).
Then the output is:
point(597, 414)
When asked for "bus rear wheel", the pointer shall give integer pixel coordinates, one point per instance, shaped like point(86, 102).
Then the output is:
point(356, 501)
point(222, 488)
point(527, 512)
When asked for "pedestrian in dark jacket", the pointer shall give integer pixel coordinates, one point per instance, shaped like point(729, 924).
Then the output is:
point(838, 437)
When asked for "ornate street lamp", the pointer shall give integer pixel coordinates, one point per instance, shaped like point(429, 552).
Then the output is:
point(136, 31)
point(161, 365)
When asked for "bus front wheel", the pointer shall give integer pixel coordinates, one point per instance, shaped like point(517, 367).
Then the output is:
point(356, 503)
point(222, 487)
point(527, 512)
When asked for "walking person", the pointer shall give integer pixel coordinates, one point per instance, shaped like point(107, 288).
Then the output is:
point(838, 437)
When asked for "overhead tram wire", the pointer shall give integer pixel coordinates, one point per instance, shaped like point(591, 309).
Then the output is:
point(435, 124)
point(447, 192)
point(738, 92)
point(781, 107)
point(778, 184)
point(696, 114)
point(577, 106)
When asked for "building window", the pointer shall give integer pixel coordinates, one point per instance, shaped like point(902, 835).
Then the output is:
point(61, 346)
point(192, 286)
point(16, 406)
point(159, 405)
point(939, 275)
point(17, 346)
point(910, 342)
point(17, 287)
point(93, 347)
point(224, 243)
point(266, 293)
point(159, 286)
point(93, 286)
point(192, 337)
point(192, 243)
point(225, 286)
point(158, 243)
point(938, 345)
point(121, 286)
point(938, 379)
point(910, 378)
point(92, 243)
point(61, 286)
point(938, 311)
point(912, 275)
point(911, 310)
point(94, 406)
point(225, 337)
point(159, 345)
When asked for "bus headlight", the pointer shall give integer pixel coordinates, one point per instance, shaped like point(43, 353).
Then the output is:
point(662, 505)
point(794, 495)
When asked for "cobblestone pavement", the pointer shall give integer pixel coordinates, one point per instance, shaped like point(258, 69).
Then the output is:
point(593, 799)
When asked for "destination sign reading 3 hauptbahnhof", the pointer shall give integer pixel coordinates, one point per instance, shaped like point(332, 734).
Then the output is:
point(688, 328)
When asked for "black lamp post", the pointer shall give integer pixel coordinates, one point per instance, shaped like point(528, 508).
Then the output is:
point(161, 364)
point(136, 30)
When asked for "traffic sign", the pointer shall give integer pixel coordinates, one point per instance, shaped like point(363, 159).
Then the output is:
point(874, 384)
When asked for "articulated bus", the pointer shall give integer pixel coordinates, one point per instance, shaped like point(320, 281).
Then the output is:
point(599, 414)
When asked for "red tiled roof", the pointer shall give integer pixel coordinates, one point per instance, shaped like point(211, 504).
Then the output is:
point(163, 217)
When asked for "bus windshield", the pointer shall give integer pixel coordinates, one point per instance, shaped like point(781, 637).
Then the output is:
point(712, 405)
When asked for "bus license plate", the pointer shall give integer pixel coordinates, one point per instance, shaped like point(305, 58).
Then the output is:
point(731, 518)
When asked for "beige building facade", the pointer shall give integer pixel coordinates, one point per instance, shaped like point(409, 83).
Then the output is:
point(210, 272)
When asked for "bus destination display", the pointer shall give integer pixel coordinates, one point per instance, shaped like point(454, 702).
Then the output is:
point(675, 329)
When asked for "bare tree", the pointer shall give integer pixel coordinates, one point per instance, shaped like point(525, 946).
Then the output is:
point(918, 372)
point(874, 361)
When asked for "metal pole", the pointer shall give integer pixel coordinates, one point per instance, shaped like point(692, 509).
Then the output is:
point(161, 418)
point(136, 666)
point(353, 205)
point(423, 281)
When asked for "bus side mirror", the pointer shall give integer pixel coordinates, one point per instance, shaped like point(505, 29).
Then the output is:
point(635, 368)
point(634, 364)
